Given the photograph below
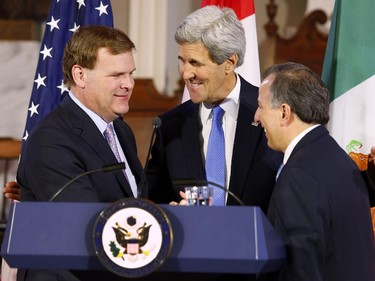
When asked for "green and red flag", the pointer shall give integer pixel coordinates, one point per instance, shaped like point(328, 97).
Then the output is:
point(349, 72)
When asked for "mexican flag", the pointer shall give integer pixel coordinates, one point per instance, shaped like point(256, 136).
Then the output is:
point(348, 71)
point(245, 12)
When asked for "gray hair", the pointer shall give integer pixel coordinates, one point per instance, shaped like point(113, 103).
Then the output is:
point(218, 29)
point(300, 88)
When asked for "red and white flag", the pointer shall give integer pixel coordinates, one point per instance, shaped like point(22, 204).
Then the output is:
point(245, 11)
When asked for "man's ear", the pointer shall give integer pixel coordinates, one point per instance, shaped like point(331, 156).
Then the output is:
point(78, 74)
point(286, 113)
point(231, 63)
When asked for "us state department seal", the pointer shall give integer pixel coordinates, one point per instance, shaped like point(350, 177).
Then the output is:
point(132, 237)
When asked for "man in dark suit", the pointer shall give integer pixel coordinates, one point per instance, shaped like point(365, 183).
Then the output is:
point(211, 46)
point(320, 203)
point(98, 65)
point(178, 151)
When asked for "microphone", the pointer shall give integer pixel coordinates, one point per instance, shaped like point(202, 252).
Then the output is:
point(191, 182)
point(156, 123)
point(104, 169)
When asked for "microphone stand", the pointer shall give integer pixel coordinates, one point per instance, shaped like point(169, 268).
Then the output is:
point(156, 122)
point(104, 169)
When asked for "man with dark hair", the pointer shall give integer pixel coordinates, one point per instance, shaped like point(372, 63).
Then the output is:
point(320, 204)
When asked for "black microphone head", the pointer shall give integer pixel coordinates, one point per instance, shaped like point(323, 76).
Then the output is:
point(156, 122)
point(113, 167)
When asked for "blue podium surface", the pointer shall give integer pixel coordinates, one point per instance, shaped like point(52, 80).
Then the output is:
point(205, 239)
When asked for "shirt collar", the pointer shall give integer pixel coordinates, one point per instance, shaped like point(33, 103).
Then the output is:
point(99, 122)
point(230, 104)
point(295, 141)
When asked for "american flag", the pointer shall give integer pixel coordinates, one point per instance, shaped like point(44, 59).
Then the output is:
point(64, 18)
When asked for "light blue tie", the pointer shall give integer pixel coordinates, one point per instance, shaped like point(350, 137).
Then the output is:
point(215, 158)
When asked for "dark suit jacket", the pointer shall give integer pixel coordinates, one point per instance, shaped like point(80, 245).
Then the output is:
point(65, 144)
point(178, 154)
point(320, 207)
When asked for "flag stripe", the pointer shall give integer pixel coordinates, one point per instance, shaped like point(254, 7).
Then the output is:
point(352, 118)
point(349, 73)
point(348, 61)
point(250, 69)
point(242, 8)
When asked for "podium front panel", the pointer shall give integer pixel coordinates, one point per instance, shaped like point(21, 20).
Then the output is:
point(228, 239)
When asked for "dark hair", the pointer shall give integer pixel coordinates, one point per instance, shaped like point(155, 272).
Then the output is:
point(300, 88)
point(83, 47)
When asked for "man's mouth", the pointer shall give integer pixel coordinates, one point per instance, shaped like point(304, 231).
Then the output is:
point(193, 84)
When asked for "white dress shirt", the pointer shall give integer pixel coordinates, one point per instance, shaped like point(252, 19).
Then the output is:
point(230, 105)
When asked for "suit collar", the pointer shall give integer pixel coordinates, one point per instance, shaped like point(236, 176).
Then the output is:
point(191, 142)
point(247, 137)
point(295, 141)
point(230, 104)
point(86, 129)
point(311, 136)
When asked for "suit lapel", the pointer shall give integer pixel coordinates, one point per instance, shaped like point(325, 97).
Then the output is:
point(129, 149)
point(191, 144)
point(245, 144)
point(309, 137)
point(88, 132)
point(246, 138)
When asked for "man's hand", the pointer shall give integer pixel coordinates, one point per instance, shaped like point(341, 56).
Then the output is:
point(183, 201)
point(12, 190)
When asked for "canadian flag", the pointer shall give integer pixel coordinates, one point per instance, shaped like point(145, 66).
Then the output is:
point(245, 11)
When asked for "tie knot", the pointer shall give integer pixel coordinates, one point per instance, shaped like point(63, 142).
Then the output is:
point(109, 135)
point(109, 132)
point(217, 113)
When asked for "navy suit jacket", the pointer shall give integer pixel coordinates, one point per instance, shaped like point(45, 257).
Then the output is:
point(177, 154)
point(320, 207)
point(64, 145)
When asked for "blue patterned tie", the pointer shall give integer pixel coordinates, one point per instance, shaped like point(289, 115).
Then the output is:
point(215, 158)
